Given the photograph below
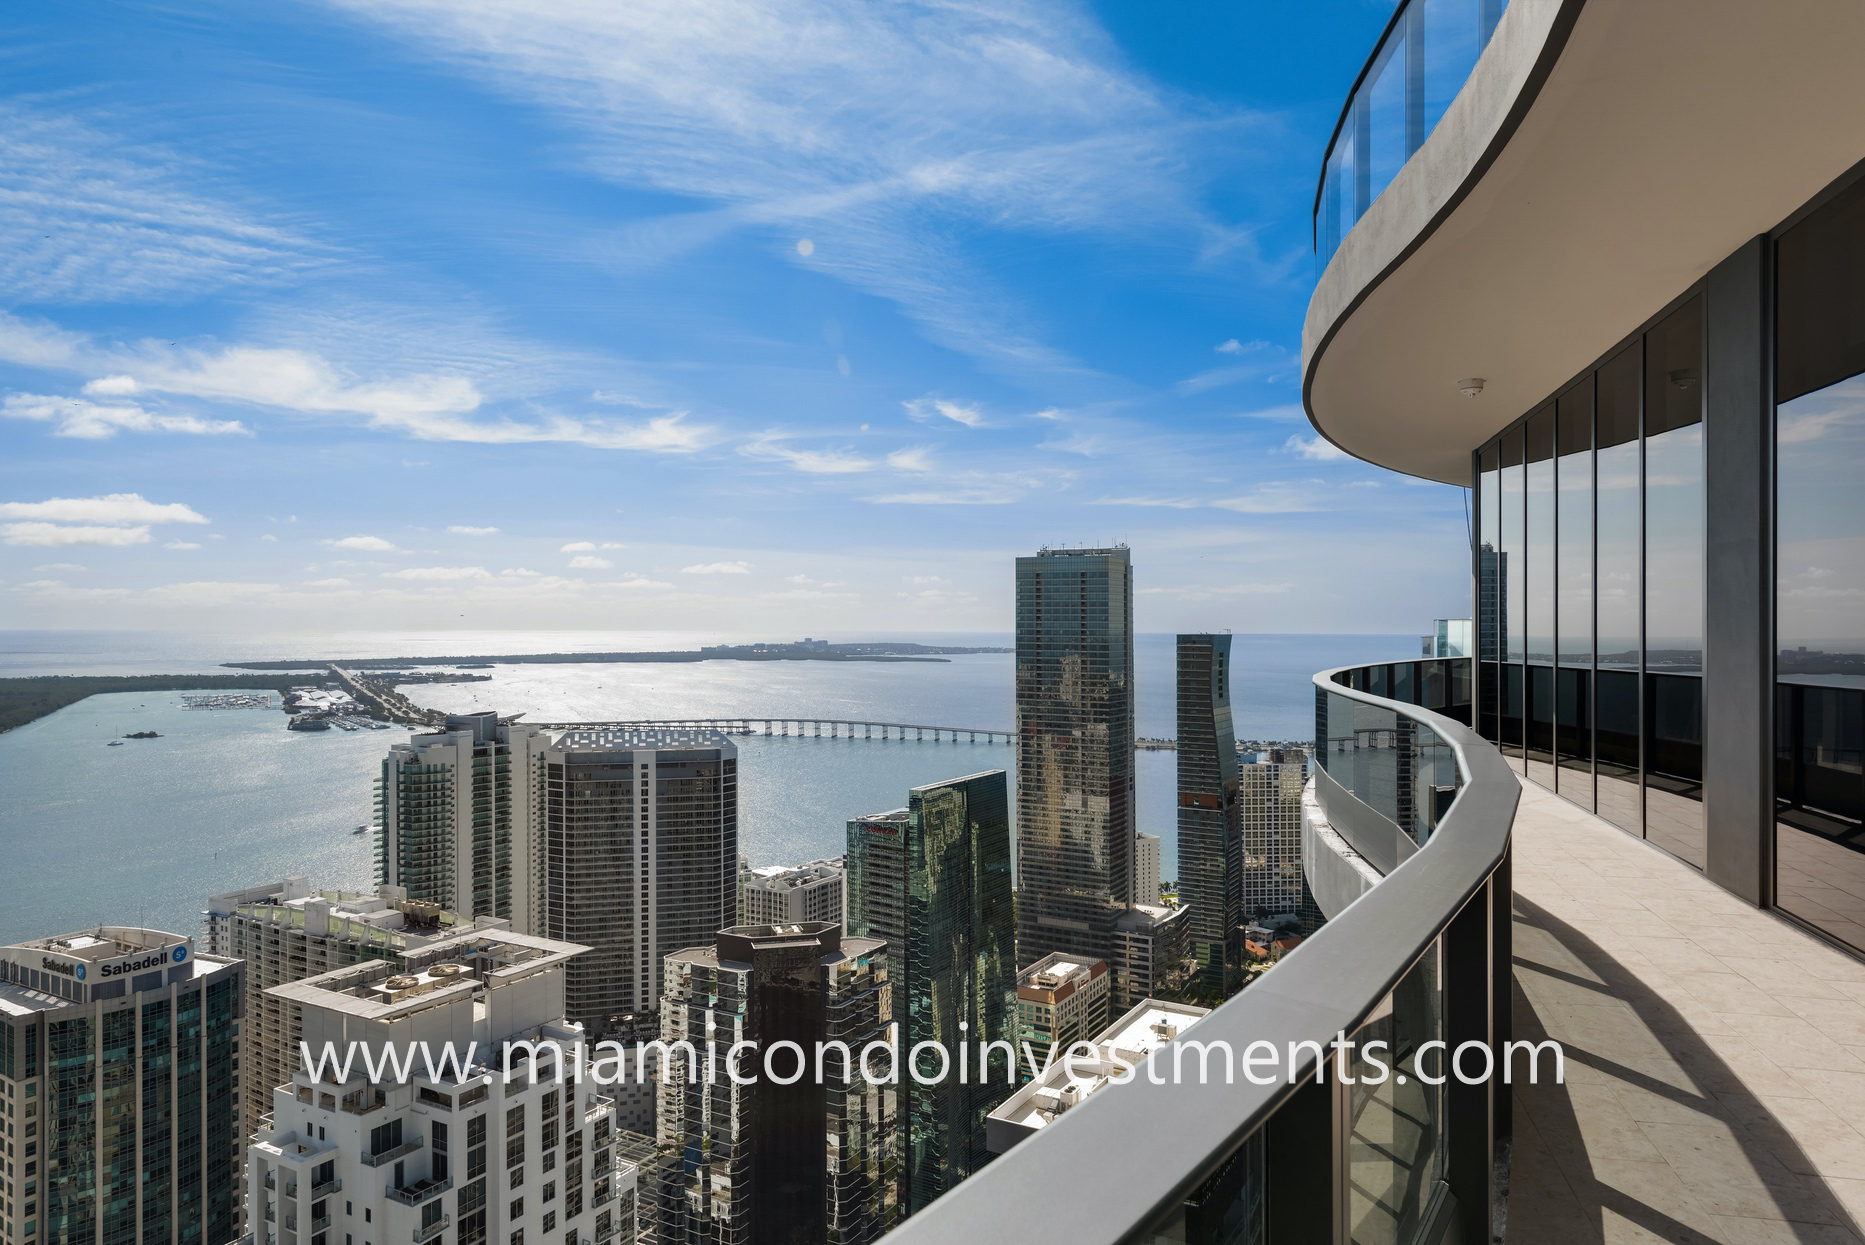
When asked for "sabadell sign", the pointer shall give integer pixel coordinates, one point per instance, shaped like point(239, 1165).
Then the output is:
point(142, 962)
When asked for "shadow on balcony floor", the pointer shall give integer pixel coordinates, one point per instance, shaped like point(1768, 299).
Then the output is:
point(1715, 1084)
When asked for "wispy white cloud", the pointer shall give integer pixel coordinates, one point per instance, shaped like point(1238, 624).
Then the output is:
point(109, 508)
point(462, 529)
point(439, 574)
point(181, 544)
point(1314, 447)
point(1276, 414)
point(1169, 503)
point(590, 546)
point(931, 410)
point(1273, 499)
point(776, 447)
point(94, 421)
point(878, 132)
point(588, 562)
point(363, 544)
point(717, 568)
point(90, 215)
point(58, 590)
point(914, 458)
point(55, 536)
point(1232, 346)
point(429, 406)
point(956, 497)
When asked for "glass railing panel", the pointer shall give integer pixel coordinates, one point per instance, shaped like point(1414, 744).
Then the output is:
point(1419, 66)
point(1230, 1205)
point(1396, 1148)
point(1393, 763)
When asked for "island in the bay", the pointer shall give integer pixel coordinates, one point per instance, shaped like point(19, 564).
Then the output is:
point(793, 650)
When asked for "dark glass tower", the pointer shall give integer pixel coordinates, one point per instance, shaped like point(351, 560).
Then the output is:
point(1210, 836)
point(1075, 750)
point(933, 880)
point(746, 1163)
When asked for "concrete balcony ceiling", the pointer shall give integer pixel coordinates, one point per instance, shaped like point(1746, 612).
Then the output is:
point(1603, 156)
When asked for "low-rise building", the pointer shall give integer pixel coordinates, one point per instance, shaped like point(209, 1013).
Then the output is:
point(787, 894)
point(1061, 999)
point(1152, 953)
point(1118, 1049)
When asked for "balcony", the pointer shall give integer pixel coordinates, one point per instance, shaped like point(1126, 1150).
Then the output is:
point(420, 1191)
point(1421, 62)
point(1714, 1054)
point(390, 1155)
point(429, 1231)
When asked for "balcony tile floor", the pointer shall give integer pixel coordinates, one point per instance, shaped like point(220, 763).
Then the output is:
point(1715, 1085)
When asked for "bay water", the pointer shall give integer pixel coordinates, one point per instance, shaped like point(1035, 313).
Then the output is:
point(143, 832)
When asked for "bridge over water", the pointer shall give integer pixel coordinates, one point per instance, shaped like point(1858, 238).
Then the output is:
point(811, 728)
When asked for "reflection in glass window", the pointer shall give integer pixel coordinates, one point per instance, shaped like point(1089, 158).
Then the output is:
point(1674, 492)
point(1538, 594)
point(1820, 569)
point(1509, 571)
point(1573, 691)
point(1674, 583)
point(1616, 590)
point(1489, 588)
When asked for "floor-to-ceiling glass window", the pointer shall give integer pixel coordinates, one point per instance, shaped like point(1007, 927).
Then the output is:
point(1489, 593)
point(1538, 596)
point(1617, 595)
point(1509, 573)
point(1820, 569)
point(1573, 593)
point(1674, 583)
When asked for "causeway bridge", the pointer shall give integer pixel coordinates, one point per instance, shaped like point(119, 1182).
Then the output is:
point(809, 728)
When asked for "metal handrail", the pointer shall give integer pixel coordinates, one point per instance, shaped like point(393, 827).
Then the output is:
point(1157, 1144)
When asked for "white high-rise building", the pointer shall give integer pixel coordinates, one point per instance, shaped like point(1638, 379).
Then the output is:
point(1145, 868)
point(1270, 799)
point(460, 1154)
point(622, 841)
point(787, 894)
point(285, 931)
point(457, 809)
point(119, 1090)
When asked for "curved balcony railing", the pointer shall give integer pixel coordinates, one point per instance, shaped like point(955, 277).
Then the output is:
point(1420, 63)
point(1422, 956)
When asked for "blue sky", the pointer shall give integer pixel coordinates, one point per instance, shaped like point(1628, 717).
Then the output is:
point(774, 315)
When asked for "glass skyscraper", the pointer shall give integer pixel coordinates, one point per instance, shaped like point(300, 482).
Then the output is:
point(119, 1076)
point(762, 1158)
point(933, 880)
point(1210, 842)
point(1074, 696)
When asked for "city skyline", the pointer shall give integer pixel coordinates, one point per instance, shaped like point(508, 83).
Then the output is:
point(440, 329)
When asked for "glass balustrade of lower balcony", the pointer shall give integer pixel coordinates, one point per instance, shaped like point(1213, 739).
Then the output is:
point(1421, 62)
point(1326, 1149)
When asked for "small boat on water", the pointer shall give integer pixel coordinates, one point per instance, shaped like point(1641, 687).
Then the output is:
point(115, 743)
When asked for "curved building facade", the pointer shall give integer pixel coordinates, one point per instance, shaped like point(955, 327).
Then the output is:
point(1614, 281)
